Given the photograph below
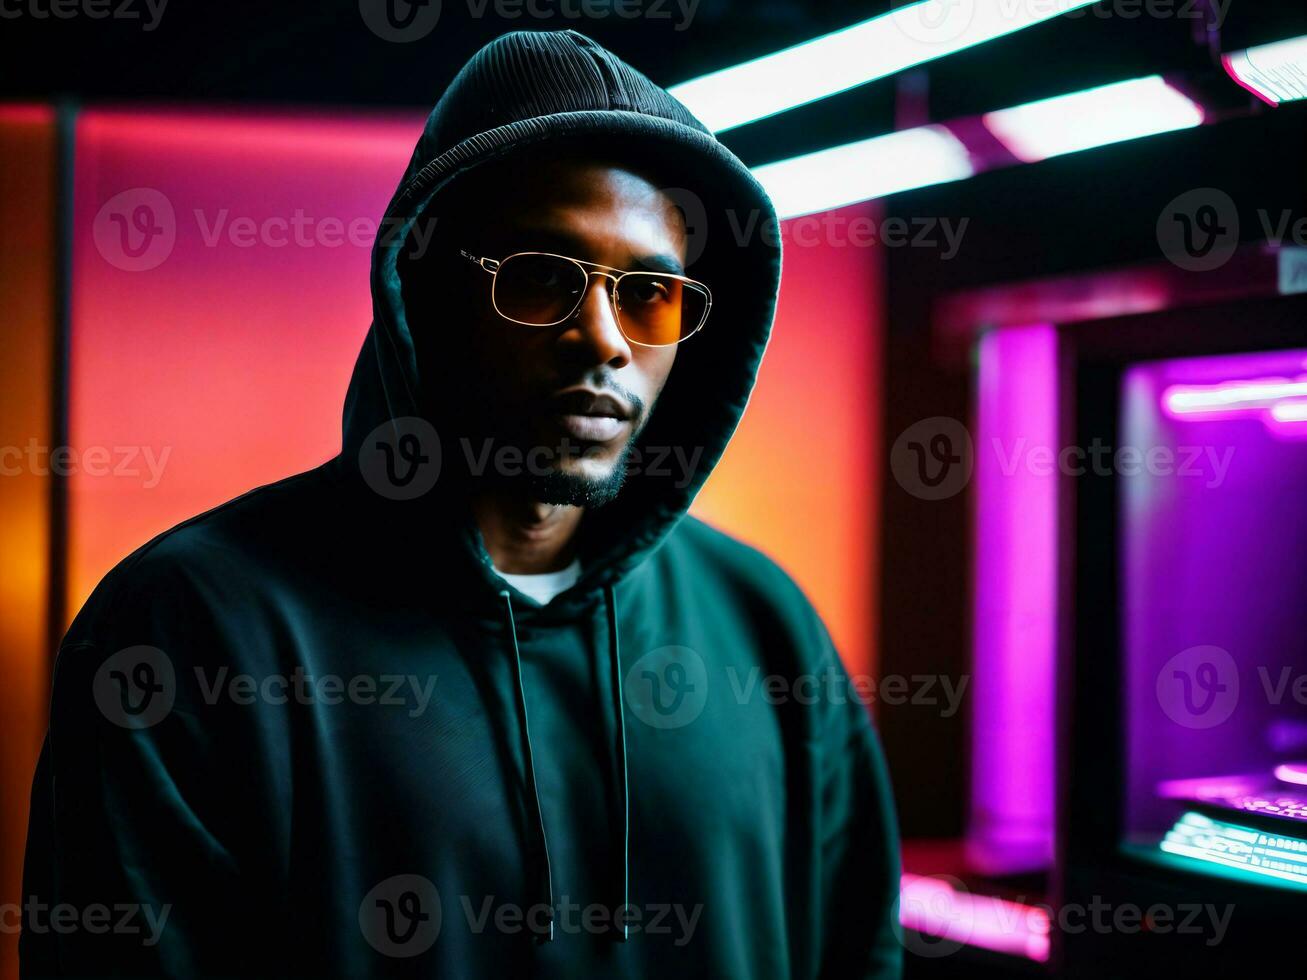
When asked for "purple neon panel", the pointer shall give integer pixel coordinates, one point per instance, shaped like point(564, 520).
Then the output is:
point(1213, 563)
point(1011, 820)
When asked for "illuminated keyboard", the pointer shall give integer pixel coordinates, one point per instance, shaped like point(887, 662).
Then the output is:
point(1255, 852)
point(1287, 807)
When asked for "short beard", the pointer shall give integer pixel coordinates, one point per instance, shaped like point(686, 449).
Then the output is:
point(569, 489)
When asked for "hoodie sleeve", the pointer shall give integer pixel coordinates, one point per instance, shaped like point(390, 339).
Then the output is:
point(860, 845)
point(132, 862)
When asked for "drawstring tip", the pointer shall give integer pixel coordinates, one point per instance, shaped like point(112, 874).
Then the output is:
point(546, 937)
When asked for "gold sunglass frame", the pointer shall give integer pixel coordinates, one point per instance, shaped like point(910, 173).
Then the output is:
point(589, 270)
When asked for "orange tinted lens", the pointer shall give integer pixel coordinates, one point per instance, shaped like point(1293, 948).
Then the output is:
point(658, 310)
point(538, 289)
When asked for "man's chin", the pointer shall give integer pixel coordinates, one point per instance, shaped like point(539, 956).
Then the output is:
point(578, 486)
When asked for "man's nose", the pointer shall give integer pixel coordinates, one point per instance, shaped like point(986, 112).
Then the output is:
point(592, 332)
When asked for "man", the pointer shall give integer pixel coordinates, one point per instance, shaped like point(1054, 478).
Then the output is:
point(476, 698)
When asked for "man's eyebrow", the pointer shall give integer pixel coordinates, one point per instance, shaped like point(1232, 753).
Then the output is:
point(660, 263)
point(543, 239)
point(546, 239)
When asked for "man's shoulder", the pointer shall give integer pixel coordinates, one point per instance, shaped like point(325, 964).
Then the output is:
point(223, 544)
point(724, 561)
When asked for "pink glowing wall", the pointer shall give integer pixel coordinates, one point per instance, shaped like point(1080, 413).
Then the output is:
point(214, 345)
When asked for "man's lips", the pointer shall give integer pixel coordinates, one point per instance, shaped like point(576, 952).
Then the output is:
point(585, 401)
point(589, 416)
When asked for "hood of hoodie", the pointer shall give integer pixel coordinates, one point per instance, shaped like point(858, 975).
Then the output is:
point(525, 90)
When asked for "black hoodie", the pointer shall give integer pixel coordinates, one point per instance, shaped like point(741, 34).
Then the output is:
point(313, 732)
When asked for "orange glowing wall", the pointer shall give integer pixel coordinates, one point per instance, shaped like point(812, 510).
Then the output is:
point(800, 479)
point(230, 353)
point(27, 269)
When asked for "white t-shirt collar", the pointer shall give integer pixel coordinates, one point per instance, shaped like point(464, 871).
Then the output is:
point(546, 585)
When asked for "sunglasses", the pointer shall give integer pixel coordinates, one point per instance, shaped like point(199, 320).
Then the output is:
point(540, 289)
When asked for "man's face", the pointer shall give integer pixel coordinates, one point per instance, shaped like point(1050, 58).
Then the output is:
point(577, 392)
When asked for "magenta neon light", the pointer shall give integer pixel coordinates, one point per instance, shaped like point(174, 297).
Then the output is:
point(1231, 396)
point(934, 907)
point(1292, 772)
point(1014, 635)
point(1281, 403)
point(1289, 411)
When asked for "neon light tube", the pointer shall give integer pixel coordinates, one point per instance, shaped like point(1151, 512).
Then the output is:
point(1290, 412)
point(868, 168)
point(1231, 396)
point(934, 907)
point(1014, 602)
point(906, 36)
point(1274, 73)
point(1094, 117)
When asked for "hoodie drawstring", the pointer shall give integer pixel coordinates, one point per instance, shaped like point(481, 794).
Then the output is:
point(615, 653)
point(545, 872)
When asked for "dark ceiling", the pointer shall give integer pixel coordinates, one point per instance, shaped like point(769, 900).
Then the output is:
point(323, 52)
